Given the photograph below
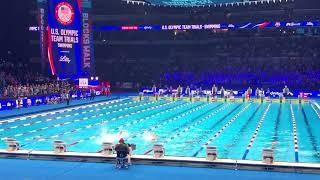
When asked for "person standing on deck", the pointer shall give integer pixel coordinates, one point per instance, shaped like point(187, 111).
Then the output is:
point(179, 91)
point(188, 91)
point(257, 93)
point(249, 92)
point(214, 91)
point(222, 92)
point(154, 90)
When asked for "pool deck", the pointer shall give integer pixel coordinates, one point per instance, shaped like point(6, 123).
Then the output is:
point(12, 169)
point(167, 161)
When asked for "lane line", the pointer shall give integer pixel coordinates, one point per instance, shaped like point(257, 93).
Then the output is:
point(295, 136)
point(255, 134)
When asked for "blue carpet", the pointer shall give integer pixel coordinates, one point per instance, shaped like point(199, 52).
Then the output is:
point(11, 169)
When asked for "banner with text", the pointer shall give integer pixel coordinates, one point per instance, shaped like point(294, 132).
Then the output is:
point(64, 38)
point(87, 39)
point(42, 22)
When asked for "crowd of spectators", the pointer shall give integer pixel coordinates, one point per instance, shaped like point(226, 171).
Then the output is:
point(269, 61)
point(19, 80)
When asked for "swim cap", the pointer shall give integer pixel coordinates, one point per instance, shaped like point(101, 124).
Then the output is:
point(121, 140)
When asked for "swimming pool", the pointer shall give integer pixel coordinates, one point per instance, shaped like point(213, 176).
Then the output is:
point(238, 130)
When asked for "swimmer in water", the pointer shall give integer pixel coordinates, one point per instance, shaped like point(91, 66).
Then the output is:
point(149, 136)
point(154, 136)
point(228, 145)
point(122, 134)
point(37, 137)
point(189, 142)
point(275, 143)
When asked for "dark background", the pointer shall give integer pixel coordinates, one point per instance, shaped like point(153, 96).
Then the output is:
point(14, 28)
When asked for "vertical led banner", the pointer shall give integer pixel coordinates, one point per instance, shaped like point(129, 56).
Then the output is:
point(64, 38)
point(87, 39)
point(42, 21)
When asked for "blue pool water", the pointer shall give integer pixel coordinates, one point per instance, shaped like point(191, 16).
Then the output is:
point(238, 130)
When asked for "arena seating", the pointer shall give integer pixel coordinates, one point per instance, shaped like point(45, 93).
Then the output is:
point(21, 80)
point(267, 60)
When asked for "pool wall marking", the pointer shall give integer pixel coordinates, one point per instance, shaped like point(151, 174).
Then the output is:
point(58, 111)
point(222, 129)
point(68, 122)
point(101, 122)
point(171, 119)
point(295, 136)
point(255, 134)
point(127, 125)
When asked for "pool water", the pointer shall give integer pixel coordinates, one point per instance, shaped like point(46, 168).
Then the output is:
point(238, 130)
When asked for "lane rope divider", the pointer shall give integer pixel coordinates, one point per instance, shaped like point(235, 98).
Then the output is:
point(68, 122)
point(193, 125)
point(77, 120)
point(12, 120)
point(196, 124)
point(142, 132)
point(100, 123)
point(295, 136)
point(255, 134)
point(315, 111)
point(315, 103)
point(60, 117)
point(222, 129)
point(127, 125)
point(237, 136)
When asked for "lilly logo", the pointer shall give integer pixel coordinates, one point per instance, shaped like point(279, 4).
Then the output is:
point(64, 59)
